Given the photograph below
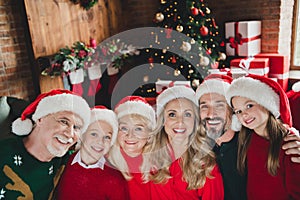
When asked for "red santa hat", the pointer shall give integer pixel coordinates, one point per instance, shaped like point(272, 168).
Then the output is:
point(48, 103)
point(136, 105)
point(214, 83)
point(265, 92)
point(174, 92)
point(104, 114)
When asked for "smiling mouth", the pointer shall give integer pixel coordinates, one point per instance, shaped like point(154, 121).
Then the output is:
point(179, 131)
point(64, 140)
point(213, 122)
point(249, 120)
point(130, 143)
point(97, 149)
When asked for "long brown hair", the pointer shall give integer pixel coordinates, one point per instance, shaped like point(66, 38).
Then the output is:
point(276, 132)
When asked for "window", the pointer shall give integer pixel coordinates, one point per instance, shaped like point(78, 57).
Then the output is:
point(296, 37)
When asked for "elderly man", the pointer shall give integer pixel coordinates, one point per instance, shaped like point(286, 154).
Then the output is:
point(32, 162)
point(216, 115)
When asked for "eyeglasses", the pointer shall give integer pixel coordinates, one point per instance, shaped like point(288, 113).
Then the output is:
point(66, 123)
point(138, 131)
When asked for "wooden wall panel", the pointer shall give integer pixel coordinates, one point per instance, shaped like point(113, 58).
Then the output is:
point(54, 24)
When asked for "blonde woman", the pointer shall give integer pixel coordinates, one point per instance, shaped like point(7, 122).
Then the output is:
point(136, 120)
point(180, 163)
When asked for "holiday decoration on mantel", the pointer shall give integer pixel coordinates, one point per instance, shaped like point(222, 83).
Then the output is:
point(70, 59)
point(86, 4)
point(114, 52)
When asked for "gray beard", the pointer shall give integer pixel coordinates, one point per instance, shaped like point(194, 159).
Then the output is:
point(212, 135)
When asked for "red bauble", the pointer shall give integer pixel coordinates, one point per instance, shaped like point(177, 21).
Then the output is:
point(93, 43)
point(173, 60)
point(194, 11)
point(203, 30)
point(208, 51)
point(150, 60)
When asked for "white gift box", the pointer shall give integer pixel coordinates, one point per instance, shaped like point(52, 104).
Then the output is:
point(160, 85)
point(76, 76)
point(243, 38)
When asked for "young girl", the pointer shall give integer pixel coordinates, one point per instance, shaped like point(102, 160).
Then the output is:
point(258, 103)
point(86, 176)
point(181, 164)
point(136, 120)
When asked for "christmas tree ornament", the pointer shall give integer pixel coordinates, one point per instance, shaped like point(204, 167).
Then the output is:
point(186, 47)
point(214, 65)
point(195, 83)
point(201, 13)
point(194, 11)
point(222, 56)
point(177, 72)
point(208, 51)
point(203, 30)
point(207, 11)
point(179, 28)
point(173, 60)
point(204, 61)
point(159, 17)
point(193, 41)
point(150, 60)
point(146, 79)
point(168, 32)
point(93, 43)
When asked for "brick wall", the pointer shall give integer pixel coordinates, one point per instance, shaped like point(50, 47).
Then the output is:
point(15, 73)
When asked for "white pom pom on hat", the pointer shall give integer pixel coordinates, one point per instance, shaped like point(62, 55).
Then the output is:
point(48, 103)
point(296, 87)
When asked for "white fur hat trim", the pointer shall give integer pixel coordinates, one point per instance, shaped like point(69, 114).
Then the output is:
point(212, 86)
point(255, 90)
point(108, 116)
point(137, 107)
point(174, 92)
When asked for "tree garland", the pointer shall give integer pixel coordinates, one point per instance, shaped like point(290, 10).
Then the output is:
point(86, 4)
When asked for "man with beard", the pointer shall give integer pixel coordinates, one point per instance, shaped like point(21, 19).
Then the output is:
point(31, 163)
point(215, 115)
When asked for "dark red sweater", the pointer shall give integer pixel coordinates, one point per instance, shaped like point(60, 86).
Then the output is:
point(261, 185)
point(137, 189)
point(80, 183)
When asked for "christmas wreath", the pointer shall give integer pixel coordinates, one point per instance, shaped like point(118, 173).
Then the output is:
point(86, 4)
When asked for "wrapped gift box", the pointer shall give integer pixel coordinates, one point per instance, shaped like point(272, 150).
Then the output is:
point(243, 38)
point(258, 66)
point(161, 85)
point(279, 67)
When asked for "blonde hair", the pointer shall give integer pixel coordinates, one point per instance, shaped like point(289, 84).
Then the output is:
point(196, 162)
point(276, 132)
point(115, 156)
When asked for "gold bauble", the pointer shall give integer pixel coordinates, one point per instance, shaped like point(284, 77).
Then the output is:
point(179, 28)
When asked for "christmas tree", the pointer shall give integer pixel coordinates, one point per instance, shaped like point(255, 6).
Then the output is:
point(196, 49)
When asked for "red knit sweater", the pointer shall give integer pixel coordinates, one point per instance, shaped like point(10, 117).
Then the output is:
point(81, 183)
point(175, 188)
point(261, 185)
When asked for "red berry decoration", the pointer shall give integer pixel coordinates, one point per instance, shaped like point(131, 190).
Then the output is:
point(194, 11)
point(203, 30)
